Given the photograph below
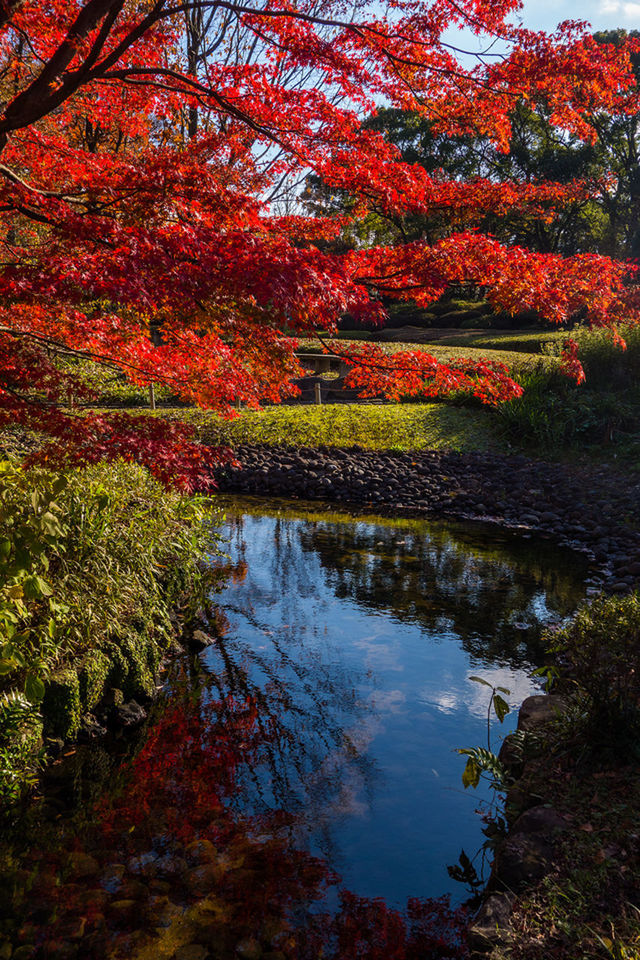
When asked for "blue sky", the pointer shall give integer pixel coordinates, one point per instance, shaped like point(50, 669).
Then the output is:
point(547, 14)
point(601, 14)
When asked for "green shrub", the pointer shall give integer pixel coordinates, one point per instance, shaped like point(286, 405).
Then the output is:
point(92, 566)
point(62, 704)
point(607, 366)
point(473, 321)
point(94, 674)
point(555, 412)
point(600, 652)
point(20, 741)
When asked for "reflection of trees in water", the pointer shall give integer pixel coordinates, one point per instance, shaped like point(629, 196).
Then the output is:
point(494, 602)
point(161, 863)
point(311, 719)
point(308, 705)
point(496, 597)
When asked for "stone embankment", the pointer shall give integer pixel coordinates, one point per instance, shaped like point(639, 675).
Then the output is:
point(593, 511)
point(527, 854)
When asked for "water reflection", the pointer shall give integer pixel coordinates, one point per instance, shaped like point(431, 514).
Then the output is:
point(163, 867)
point(296, 794)
point(493, 592)
point(358, 637)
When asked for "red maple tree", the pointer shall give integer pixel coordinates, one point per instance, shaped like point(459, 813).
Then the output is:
point(145, 144)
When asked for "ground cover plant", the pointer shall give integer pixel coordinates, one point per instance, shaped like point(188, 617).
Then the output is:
point(95, 566)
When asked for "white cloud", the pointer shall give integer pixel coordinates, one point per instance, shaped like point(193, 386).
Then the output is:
point(388, 701)
point(474, 697)
point(601, 14)
point(629, 11)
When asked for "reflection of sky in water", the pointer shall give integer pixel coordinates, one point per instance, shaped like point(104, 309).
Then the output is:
point(362, 659)
point(466, 695)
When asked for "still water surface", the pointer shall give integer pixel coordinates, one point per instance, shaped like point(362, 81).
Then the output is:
point(299, 780)
point(360, 635)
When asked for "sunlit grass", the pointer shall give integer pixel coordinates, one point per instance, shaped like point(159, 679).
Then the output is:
point(518, 341)
point(518, 360)
point(414, 426)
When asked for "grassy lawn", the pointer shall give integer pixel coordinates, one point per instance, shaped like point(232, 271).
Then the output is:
point(555, 418)
point(518, 360)
point(410, 426)
point(518, 340)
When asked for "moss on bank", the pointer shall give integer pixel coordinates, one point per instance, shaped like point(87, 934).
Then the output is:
point(96, 566)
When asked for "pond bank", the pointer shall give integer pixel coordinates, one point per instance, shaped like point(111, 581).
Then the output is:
point(100, 568)
point(566, 874)
point(591, 511)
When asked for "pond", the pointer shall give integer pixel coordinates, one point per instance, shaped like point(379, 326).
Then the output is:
point(359, 636)
point(299, 791)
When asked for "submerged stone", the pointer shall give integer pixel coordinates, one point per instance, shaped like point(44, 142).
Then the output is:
point(249, 949)
point(129, 715)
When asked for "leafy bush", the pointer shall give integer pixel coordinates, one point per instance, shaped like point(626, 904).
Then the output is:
point(30, 535)
point(92, 561)
point(473, 322)
point(600, 652)
point(554, 412)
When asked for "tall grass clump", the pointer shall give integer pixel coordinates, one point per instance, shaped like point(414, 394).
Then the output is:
point(608, 367)
point(599, 653)
point(555, 412)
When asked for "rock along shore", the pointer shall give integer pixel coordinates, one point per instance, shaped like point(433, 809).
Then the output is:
point(593, 511)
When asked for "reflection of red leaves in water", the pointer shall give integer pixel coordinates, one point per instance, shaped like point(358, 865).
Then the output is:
point(367, 929)
point(172, 829)
point(236, 572)
point(185, 770)
point(434, 930)
point(239, 571)
point(218, 622)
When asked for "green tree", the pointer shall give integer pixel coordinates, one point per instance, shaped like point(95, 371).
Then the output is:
point(607, 222)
